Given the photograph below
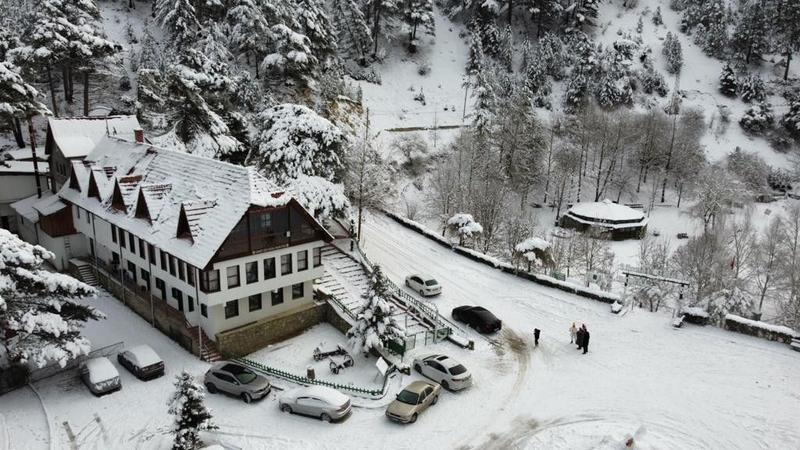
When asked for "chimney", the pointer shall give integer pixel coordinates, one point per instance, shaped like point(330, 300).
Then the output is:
point(139, 134)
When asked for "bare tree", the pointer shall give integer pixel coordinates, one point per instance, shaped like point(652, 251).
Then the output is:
point(789, 267)
point(766, 259)
point(593, 253)
point(368, 181)
point(717, 192)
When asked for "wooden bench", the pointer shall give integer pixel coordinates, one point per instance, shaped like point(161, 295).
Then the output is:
point(678, 321)
point(795, 345)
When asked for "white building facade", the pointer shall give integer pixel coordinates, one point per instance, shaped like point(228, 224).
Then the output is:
point(216, 241)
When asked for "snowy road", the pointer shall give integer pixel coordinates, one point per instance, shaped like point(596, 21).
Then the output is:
point(691, 388)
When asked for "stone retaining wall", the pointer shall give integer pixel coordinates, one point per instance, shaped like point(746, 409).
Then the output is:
point(758, 331)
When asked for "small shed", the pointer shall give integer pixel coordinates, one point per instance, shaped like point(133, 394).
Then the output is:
point(614, 221)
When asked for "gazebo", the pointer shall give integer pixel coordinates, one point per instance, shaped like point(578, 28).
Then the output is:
point(612, 220)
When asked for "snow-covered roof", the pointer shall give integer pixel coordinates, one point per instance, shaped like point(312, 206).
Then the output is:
point(607, 212)
point(27, 206)
point(51, 204)
point(24, 154)
point(76, 137)
point(214, 195)
point(21, 167)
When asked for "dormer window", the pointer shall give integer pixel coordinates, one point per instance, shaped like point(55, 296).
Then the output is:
point(142, 211)
point(73, 180)
point(93, 190)
point(116, 200)
point(184, 231)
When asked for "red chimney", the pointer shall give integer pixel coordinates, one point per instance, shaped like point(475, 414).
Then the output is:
point(139, 134)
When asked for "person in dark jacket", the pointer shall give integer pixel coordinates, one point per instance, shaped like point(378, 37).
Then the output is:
point(579, 338)
point(536, 332)
point(585, 340)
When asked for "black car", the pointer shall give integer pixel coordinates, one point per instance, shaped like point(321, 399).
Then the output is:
point(142, 362)
point(477, 317)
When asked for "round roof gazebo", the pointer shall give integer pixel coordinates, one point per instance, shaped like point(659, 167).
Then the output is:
point(610, 219)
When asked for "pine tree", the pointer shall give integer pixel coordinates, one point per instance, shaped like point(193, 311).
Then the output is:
point(353, 32)
point(385, 15)
point(716, 40)
point(375, 324)
point(292, 57)
point(575, 95)
point(191, 415)
point(551, 53)
point(749, 39)
point(791, 120)
point(657, 19)
point(758, 118)
point(314, 24)
point(546, 13)
point(483, 109)
point(39, 312)
point(250, 32)
point(292, 141)
point(674, 53)
point(584, 14)
point(527, 55)
point(506, 56)
point(608, 92)
point(179, 18)
point(728, 85)
point(788, 30)
point(475, 58)
point(418, 14)
point(640, 25)
point(753, 89)
point(214, 42)
point(18, 100)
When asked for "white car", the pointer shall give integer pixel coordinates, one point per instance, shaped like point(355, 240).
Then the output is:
point(444, 370)
point(100, 375)
point(424, 284)
point(316, 401)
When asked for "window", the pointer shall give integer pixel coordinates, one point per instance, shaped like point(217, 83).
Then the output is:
point(122, 237)
point(269, 268)
point(78, 211)
point(172, 265)
point(146, 278)
point(91, 246)
point(178, 295)
point(161, 287)
point(114, 233)
point(233, 276)
point(152, 251)
point(251, 272)
point(204, 309)
point(255, 302)
point(132, 240)
point(181, 270)
point(132, 270)
point(317, 256)
point(88, 217)
point(210, 281)
point(297, 291)
point(286, 264)
point(141, 249)
point(114, 258)
point(238, 242)
point(277, 296)
point(190, 274)
point(231, 309)
point(302, 260)
point(190, 300)
point(163, 260)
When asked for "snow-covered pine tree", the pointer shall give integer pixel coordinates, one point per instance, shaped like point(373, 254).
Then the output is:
point(749, 39)
point(527, 55)
point(291, 57)
point(674, 53)
point(39, 312)
point(250, 32)
point(314, 24)
point(758, 118)
point(353, 33)
point(791, 120)
point(582, 14)
point(546, 13)
point(608, 92)
point(385, 14)
point(292, 141)
point(8, 41)
point(551, 51)
point(653, 81)
point(179, 18)
point(716, 40)
point(476, 56)
point(214, 42)
point(191, 414)
point(536, 79)
point(640, 25)
point(375, 324)
point(506, 55)
point(18, 100)
point(657, 19)
point(575, 95)
point(485, 104)
point(490, 36)
point(196, 89)
point(753, 89)
point(728, 85)
point(788, 30)
point(418, 14)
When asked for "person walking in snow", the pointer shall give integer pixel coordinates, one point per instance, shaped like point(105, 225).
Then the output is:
point(585, 340)
point(572, 332)
point(579, 338)
point(536, 332)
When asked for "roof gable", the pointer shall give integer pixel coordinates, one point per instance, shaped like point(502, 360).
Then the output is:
point(76, 137)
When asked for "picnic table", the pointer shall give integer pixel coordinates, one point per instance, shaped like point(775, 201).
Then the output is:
point(340, 362)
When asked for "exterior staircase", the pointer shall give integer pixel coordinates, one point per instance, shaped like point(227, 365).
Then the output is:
point(87, 274)
point(210, 352)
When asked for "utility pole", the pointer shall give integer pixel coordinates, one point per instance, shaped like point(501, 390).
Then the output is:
point(464, 110)
point(35, 162)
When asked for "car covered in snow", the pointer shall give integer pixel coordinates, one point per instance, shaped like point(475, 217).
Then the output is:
point(444, 370)
point(412, 401)
point(478, 318)
point(316, 401)
point(100, 375)
point(424, 284)
point(142, 361)
point(238, 380)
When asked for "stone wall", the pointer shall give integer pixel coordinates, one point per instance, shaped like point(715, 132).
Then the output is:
point(257, 335)
point(760, 329)
point(334, 318)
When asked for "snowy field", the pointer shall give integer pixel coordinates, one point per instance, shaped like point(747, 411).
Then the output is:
point(693, 388)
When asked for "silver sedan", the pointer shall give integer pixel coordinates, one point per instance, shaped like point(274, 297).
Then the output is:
point(444, 370)
point(316, 401)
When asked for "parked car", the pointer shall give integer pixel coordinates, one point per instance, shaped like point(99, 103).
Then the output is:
point(100, 375)
point(444, 370)
point(316, 401)
point(477, 317)
point(412, 401)
point(424, 284)
point(142, 362)
point(236, 379)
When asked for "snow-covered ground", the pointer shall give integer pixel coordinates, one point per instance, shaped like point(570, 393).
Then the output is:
point(690, 388)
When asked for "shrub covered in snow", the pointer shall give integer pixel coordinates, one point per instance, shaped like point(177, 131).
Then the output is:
point(191, 415)
point(38, 313)
point(320, 196)
point(374, 324)
point(753, 89)
point(465, 226)
point(535, 251)
point(758, 118)
point(728, 301)
point(791, 120)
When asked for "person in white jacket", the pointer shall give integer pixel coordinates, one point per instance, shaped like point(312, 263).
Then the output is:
point(572, 332)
